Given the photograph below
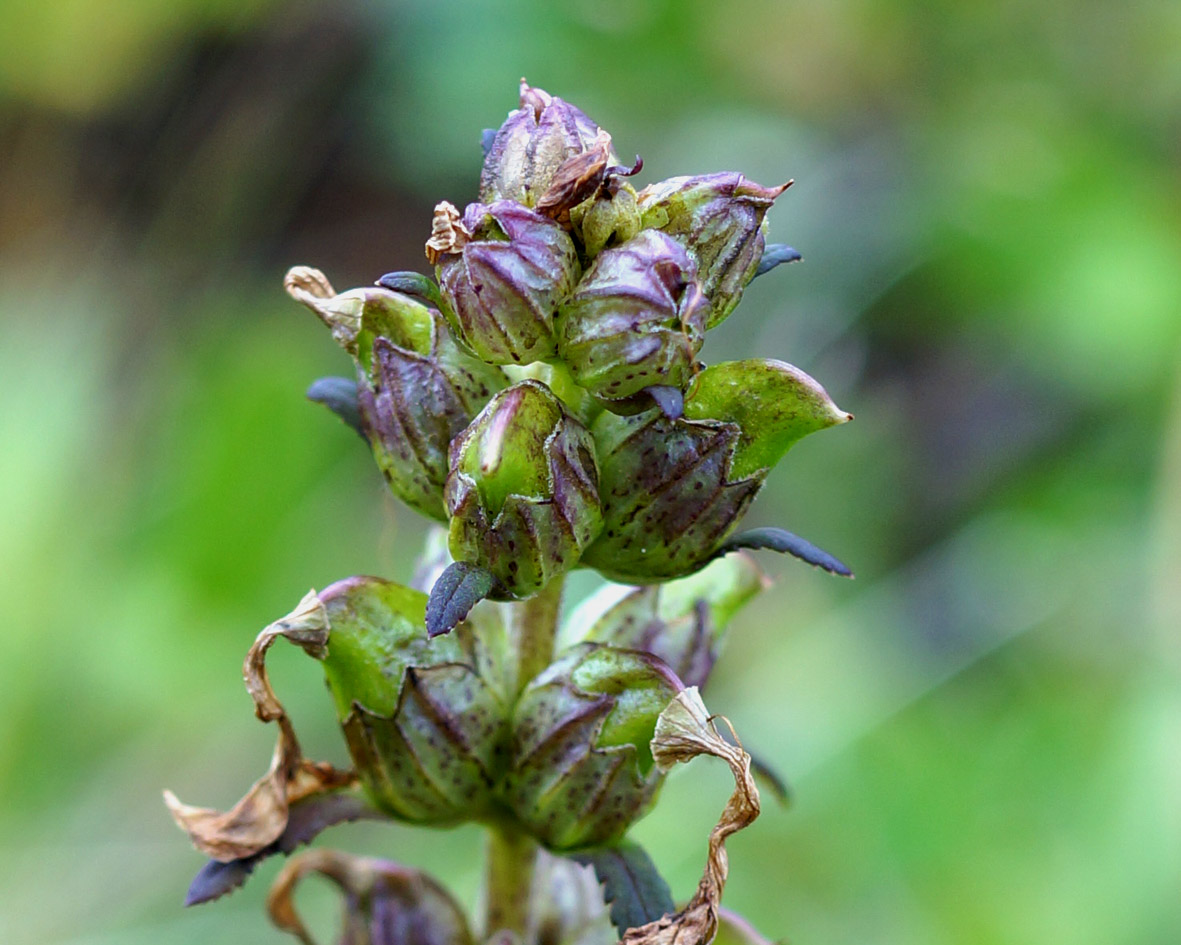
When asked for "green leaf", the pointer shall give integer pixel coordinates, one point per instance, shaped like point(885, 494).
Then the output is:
point(783, 541)
point(632, 887)
point(456, 592)
point(773, 403)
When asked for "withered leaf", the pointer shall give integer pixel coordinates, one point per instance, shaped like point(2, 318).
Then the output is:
point(685, 730)
point(260, 817)
point(578, 177)
point(306, 819)
point(632, 886)
point(448, 234)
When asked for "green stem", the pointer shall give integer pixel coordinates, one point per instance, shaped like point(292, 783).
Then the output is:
point(511, 858)
point(533, 625)
point(512, 853)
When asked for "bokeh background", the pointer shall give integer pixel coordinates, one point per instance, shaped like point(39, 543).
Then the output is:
point(983, 731)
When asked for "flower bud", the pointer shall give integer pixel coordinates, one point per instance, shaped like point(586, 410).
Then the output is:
point(611, 218)
point(636, 320)
point(418, 388)
point(719, 217)
point(523, 489)
point(423, 725)
point(672, 490)
point(581, 769)
point(503, 269)
point(534, 141)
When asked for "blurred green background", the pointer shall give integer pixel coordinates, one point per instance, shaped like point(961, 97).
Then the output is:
point(983, 731)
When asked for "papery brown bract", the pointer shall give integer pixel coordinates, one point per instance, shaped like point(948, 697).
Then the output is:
point(523, 489)
point(502, 277)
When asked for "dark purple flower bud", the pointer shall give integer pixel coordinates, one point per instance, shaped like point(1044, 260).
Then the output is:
point(523, 489)
point(503, 269)
point(533, 143)
point(637, 319)
point(581, 769)
point(719, 217)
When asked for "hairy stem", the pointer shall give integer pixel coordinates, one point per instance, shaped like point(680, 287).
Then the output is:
point(509, 878)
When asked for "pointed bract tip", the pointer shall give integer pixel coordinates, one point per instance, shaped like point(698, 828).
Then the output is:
point(456, 592)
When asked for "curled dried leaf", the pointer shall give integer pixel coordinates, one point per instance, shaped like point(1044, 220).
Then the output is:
point(260, 817)
point(685, 730)
point(306, 626)
point(307, 285)
point(448, 234)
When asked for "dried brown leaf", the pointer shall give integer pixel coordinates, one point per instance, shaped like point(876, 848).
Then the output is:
point(260, 816)
point(306, 626)
point(448, 234)
point(685, 730)
point(307, 285)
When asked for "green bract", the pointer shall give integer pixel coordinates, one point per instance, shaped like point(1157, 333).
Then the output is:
point(523, 489)
point(423, 724)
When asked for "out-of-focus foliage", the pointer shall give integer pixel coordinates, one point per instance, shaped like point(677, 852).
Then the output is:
point(981, 732)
